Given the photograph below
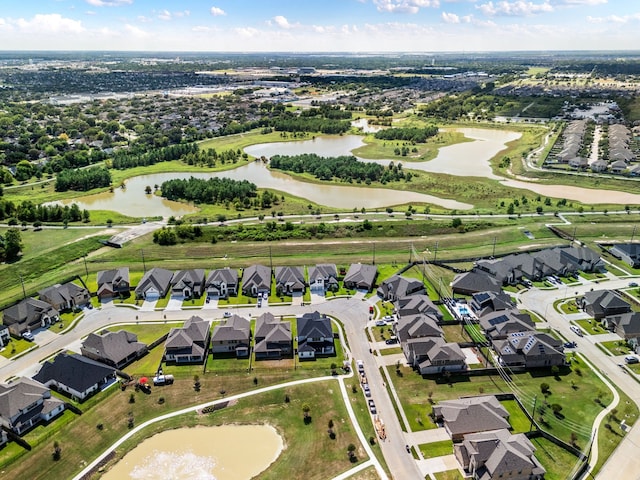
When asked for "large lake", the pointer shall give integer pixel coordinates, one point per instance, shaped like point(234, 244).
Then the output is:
point(228, 452)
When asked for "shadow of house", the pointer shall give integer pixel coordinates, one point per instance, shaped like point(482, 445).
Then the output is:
point(498, 454)
point(65, 297)
point(273, 338)
point(315, 336)
point(113, 283)
point(154, 284)
point(361, 277)
point(29, 314)
point(222, 282)
point(76, 375)
point(398, 286)
point(602, 303)
point(289, 280)
point(25, 403)
point(232, 336)
point(116, 349)
point(323, 277)
point(256, 279)
point(189, 343)
point(471, 415)
point(188, 283)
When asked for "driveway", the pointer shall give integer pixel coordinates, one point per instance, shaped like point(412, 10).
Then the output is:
point(212, 304)
point(175, 303)
point(148, 305)
point(438, 464)
point(317, 297)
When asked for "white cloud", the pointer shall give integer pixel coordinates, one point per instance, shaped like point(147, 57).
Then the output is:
point(247, 31)
point(109, 3)
point(201, 28)
point(217, 12)
point(281, 21)
point(89, 12)
point(318, 28)
point(518, 8)
point(135, 31)
point(617, 19)
point(50, 23)
point(404, 6)
point(164, 15)
point(450, 17)
point(143, 19)
point(581, 2)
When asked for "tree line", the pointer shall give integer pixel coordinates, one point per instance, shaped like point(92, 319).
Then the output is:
point(408, 134)
point(123, 159)
point(211, 191)
point(27, 211)
point(344, 168)
point(82, 180)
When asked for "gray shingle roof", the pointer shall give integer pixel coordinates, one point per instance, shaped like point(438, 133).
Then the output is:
point(75, 371)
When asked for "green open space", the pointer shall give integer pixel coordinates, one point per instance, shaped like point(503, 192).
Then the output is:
point(591, 326)
point(15, 347)
point(147, 332)
point(616, 347)
point(436, 449)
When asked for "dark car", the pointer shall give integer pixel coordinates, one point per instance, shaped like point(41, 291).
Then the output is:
point(372, 407)
point(391, 341)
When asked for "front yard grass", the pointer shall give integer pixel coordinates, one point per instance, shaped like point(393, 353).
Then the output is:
point(15, 347)
point(616, 347)
point(448, 475)
point(391, 351)
point(147, 332)
point(436, 449)
point(569, 307)
point(380, 334)
point(591, 326)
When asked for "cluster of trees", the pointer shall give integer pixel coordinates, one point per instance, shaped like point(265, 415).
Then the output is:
point(27, 211)
point(171, 235)
point(345, 168)
point(408, 134)
point(292, 123)
point(128, 159)
point(10, 244)
point(212, 190)
point(211, 156)
point(82, 180)
point(327, 111)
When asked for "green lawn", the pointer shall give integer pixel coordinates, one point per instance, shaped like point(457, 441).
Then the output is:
point(616, 347)
point(475, 333)
point(147, 332)
point(436, 449)
point(16, 346)
point(391, 351)
point(448, 475)
point(517, 418)
point(556, 461)
point(591, 326)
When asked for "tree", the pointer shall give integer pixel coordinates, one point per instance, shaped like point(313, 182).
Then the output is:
point(12, 244)
point(148, 190)
point(57, 451)
point(351, 451)
point(544, 388)
point(305, 412)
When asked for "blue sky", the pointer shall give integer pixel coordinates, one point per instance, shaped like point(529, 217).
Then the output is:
point(320, 25)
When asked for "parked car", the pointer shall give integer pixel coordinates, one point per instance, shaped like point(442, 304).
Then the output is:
point(380, 323)
point(576, 330)
point(372, 407)
point(227, 314)
point(570, 345)
point(367, 390)
point(28, 336)
point(631, 359)
point(633, 284)
point(360, 365)
point(391, 341)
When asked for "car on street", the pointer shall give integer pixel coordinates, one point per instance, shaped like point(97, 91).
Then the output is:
point(372, 407)
point(570, 345)
point(633, 284)
point(631, 359)
point(227, 314)
point(28, 336)
point(367, 390)
point(576, 330)
point(360, 365)
point(380, 323)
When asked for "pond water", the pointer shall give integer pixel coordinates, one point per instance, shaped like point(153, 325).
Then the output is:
point(228, 452)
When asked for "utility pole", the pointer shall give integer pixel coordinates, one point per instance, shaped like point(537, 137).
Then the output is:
point(410, 253)
point(634, 232)
point(374, 253)
point(24, 293)
point(435, 254)
point(86, 270)
point(533, 413)
point(573, 237)
point(270, 259)
point(144, 265)
point(493, 254)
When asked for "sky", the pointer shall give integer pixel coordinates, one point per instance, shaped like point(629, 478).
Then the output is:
point(320, 25)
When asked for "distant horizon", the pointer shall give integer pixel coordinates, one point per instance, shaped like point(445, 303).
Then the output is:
point(381, 26)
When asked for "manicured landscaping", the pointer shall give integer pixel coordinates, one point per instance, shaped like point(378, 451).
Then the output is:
point(16, 346)
point(591, 326)
point(449, 475)
point(436, 449)
point(147, 332)
point(616, 347)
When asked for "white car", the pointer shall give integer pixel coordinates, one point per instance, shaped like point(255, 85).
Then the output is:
point(380, 323)
point(227, 314)
point(28, 336)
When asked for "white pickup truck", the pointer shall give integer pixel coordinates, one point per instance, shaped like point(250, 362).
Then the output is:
point(163, 380)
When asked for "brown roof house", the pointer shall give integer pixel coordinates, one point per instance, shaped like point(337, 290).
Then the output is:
point(273, 338)
point(154, 284)
point(188, 283)
point(113, 283)
point(414, 304)
point(65, 297)
point(488, 302)
point(471, 415)
point(28, 315)
point(323, 277)
point(290, 280)
point(602, 303)
point(232, 336)
point(432, 355)
point(398, 286)
point(361, 277)
point(498, 454)
point(113, 348)
point(256, 279)
point(25, 403)
point(188, 344)
point(76, 375)
point(222, 282)
point(627, 326)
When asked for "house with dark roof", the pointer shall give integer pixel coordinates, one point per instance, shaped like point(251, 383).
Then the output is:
point(290, 280)
point(468, 283)
point(602, 303)
point(5, 335)
point(627, 326)
point(398, 286)
point(628, 253)
point(361, 277)
point(498, 454)
point(315, 336)
point(222, 282)
point(323, 277)
point(29, 314)
point(417, 326)
point(113, 283)
point(273, 338)
point(498, 325)
point(233, 335)
point(471, 415)
point(65, 297)
point(75, 375)
point(256, 279)
point(116, 349)
point(24, 403)
point(154, 284)
point(418, 303)
point(530, 350)
point(488, 302)
point(432, 355)
point(189, 343)
point(188, 283)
